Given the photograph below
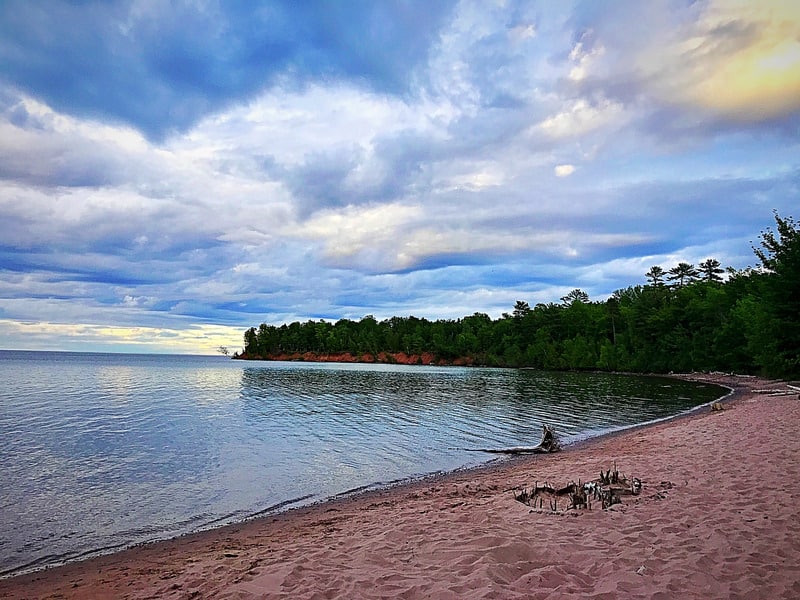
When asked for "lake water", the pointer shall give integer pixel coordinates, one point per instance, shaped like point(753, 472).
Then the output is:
point(102, 451)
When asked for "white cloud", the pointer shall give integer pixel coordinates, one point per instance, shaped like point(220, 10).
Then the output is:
point(583, 56)
point(290, 125)
point(564, 170)
point(581, 117)
point(522, 32)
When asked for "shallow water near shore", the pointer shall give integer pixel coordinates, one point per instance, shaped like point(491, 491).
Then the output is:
point(102, 451)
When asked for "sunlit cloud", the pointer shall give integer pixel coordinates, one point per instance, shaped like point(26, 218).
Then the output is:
point(194, 339)
point(564, 170)
point(737, 59)
point(761, 78)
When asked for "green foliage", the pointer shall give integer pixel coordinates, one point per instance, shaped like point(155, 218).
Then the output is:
point(747, 323)
point(779, 315)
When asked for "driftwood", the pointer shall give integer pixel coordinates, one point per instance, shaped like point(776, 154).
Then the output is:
point(548, 444)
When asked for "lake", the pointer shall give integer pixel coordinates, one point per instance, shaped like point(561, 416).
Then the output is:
point(103, 451)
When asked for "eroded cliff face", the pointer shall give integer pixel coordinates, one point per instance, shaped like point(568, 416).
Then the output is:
point(400, 358)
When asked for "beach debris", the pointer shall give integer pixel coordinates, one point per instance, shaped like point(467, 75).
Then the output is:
point(717, 406)
point(774, 391)
point(608, 490)
point(578, 497)
point(549, 443)
point(641, 570)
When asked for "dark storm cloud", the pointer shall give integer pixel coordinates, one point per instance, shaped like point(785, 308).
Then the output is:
point(162, 66)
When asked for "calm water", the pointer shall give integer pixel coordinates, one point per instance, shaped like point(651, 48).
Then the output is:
point(101, 451)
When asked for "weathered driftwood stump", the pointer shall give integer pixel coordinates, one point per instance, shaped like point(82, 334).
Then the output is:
point(549, 441)
point(548, 444)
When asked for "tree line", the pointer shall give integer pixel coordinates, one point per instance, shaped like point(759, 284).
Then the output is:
point(685, 318)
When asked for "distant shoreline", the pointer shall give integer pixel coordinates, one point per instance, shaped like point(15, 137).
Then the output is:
point(389, 358)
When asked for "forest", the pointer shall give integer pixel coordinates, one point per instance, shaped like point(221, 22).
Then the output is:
point(685, 318)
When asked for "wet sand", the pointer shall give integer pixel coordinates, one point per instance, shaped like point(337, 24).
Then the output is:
point(717, 517)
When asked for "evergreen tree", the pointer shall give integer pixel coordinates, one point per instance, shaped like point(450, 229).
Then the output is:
point(576, 295)
point(250, 342)
point(683, 273)
point(656, 275)
point(780, 259)
point(710, 270)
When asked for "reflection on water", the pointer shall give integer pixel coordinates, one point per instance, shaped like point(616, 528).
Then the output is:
point(102, 451)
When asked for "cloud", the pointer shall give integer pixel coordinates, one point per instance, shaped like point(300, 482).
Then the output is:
point(564, 170)
point(723, 61)
point(747, 59)
point(195, 339)
point(162, 67)
point(583, 54)
point(498, 152)
point(581, 118)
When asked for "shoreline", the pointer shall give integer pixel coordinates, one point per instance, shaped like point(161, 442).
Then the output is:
point(383, 357)
point(383, 541)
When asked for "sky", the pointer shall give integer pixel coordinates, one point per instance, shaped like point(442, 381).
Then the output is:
point(173, 173)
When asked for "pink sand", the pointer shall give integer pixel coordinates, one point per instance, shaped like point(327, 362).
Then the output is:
point(717, 518)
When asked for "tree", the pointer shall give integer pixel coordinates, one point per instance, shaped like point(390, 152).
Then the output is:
point(779, 254)
point(576, 295)
point(656, 275)
point(521, 309)
point(780, 259)
point(250, 342)
point(263, 339)
point(683, 273)
point(710, 270)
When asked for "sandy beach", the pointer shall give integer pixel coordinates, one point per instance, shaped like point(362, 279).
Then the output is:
point(716, 517)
